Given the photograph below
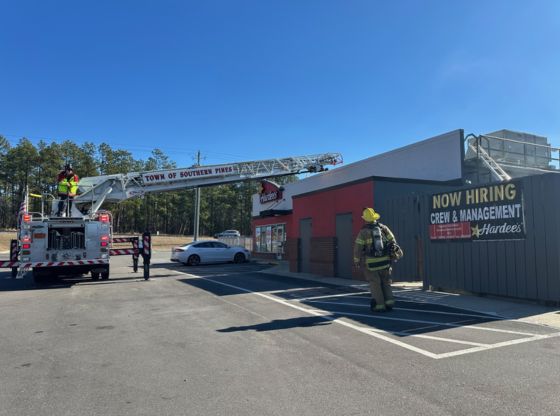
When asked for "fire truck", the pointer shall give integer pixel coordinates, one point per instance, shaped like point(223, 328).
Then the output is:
point(80, 240)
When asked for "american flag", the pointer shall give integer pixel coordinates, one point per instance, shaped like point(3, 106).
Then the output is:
point(23, 207)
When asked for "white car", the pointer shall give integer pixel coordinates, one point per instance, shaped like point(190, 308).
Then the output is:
point(228, 233)
point(209, 251)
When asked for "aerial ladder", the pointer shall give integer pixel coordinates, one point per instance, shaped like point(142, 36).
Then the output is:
point(96, 190)
point(494, 167)
point(81, 241)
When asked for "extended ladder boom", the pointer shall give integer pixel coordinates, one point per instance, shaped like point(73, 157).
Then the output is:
point(115, 188)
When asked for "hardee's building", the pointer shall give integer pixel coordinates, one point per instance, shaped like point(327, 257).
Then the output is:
point(475, 213)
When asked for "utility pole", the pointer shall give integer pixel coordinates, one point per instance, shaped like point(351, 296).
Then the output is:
point(196, 204)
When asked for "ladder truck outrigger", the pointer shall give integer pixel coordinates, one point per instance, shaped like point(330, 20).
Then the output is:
point(81, 241)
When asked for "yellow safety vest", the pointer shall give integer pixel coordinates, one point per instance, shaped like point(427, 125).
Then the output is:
point(73, 183)
point(63, 186)
point(68, 186)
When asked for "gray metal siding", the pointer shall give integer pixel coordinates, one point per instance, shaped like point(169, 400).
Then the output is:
point(527, 269)
point(400, 207)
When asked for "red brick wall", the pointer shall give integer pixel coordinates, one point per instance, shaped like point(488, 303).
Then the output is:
point(291, 253)
point(322, 208)
point(323, 255)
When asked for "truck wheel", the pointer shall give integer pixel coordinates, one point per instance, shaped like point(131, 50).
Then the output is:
point(95, 275)
point(105, 274)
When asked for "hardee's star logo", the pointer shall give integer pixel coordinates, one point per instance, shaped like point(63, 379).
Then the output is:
point(475, 231)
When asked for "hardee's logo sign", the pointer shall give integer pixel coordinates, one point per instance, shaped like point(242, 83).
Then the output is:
point(269, 191)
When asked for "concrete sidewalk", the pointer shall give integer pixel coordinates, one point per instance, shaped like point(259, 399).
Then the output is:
point(500, 307)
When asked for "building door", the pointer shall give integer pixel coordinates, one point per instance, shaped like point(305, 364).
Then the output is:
point(344, 245)
point(305, 245)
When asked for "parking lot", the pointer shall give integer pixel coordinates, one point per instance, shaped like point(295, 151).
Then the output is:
point(415, 324)
point(235, 339)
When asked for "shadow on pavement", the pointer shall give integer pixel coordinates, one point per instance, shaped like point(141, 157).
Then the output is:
point(211, 269)
point(278, 324)
point(7, 283)
point(408, 318)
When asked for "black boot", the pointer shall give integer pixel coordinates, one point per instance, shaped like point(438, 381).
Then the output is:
point(373, 308)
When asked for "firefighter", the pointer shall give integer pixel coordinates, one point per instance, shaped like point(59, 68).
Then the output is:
point(67, 183)
point(375, 249)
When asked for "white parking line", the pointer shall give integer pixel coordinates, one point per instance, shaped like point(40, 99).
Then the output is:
point(454, 341)
point(497, 345)
point(496, 318)
point(422, 328)
point(383, 335)
point(296, 289)
point(331, 296)
point(367, 331)
point(408, 334)
point(420, 321)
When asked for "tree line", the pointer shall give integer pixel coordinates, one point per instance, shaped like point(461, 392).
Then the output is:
point(36, 166)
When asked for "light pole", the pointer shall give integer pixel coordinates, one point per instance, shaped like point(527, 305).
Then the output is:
point(196, 205)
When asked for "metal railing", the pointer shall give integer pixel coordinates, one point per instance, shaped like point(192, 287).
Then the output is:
point(515, 153)
point(490, 163)
point(246, 242)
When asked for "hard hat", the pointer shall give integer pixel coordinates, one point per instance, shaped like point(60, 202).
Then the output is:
point(369, 215)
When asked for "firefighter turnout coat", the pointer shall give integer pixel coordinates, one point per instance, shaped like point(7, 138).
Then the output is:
point(365, 247)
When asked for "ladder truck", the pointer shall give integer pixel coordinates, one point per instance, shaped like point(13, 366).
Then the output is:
point(80, 241)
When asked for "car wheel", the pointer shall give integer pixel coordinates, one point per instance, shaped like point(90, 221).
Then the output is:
point(239, 258)
point(193, 260)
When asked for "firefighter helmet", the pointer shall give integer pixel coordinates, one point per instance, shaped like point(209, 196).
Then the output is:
point(369, 215)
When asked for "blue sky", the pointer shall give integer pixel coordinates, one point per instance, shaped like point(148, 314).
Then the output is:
point(244, 80)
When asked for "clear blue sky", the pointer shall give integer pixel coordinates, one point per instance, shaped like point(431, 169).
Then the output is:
point(243, 80)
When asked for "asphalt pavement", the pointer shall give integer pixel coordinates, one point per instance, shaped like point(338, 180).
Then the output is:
point(247, 340)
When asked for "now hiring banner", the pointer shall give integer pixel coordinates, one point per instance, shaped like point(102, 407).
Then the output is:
point(492, 212)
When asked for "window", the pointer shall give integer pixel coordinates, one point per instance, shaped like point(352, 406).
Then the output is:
point(204, 245)
point(219, 245)
point(270, 238)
